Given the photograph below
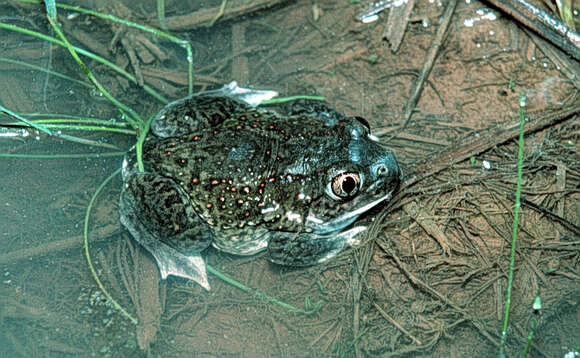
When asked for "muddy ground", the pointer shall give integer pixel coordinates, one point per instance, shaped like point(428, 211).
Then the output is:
point(430, 279)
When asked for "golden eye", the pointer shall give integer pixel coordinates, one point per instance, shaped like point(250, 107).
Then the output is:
point(346, 185)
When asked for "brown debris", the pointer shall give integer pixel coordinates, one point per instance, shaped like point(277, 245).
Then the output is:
point(205, 17)
point(421, 216)
point(397, 24)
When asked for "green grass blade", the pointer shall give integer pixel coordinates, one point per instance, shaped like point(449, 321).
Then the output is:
point(91, 128)
point(219, 14)
point(65, 122)
point(85, 141)
point(308, 311)
point(88, 254)
point(58, 115)
point(514, 230)
point(537, 306)
point(139, 145)
point(61, 156)
point(20, 118)
point(68, 124)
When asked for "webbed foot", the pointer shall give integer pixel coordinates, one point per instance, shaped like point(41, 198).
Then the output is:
point(172, 262)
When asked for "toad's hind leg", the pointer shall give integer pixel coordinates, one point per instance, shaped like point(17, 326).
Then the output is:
point(160, 217)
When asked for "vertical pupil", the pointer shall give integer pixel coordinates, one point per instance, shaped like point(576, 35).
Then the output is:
point(348, 185)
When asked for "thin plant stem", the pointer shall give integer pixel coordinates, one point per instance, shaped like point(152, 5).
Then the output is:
point(20, 118)
point(68, 121)
point(259, 294)
point(62, 125)
point(44, 115)
point(59, 127)
point(219, 14)
point(508, 298)
point(139, 145)
point(60, 115)
point(90, 128)
point(537, 306)
point(88, 254)
point(86, 141)
point(61, 156)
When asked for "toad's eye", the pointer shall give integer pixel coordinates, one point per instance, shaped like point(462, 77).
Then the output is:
point(345, 185)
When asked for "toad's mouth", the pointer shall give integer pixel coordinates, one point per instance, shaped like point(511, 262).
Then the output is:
point(321, 226)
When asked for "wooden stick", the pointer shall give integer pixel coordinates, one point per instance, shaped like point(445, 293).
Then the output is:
point(101, 234)
point(396, 324)
point(542, 23)
point(480, 142)
point(428, 64)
